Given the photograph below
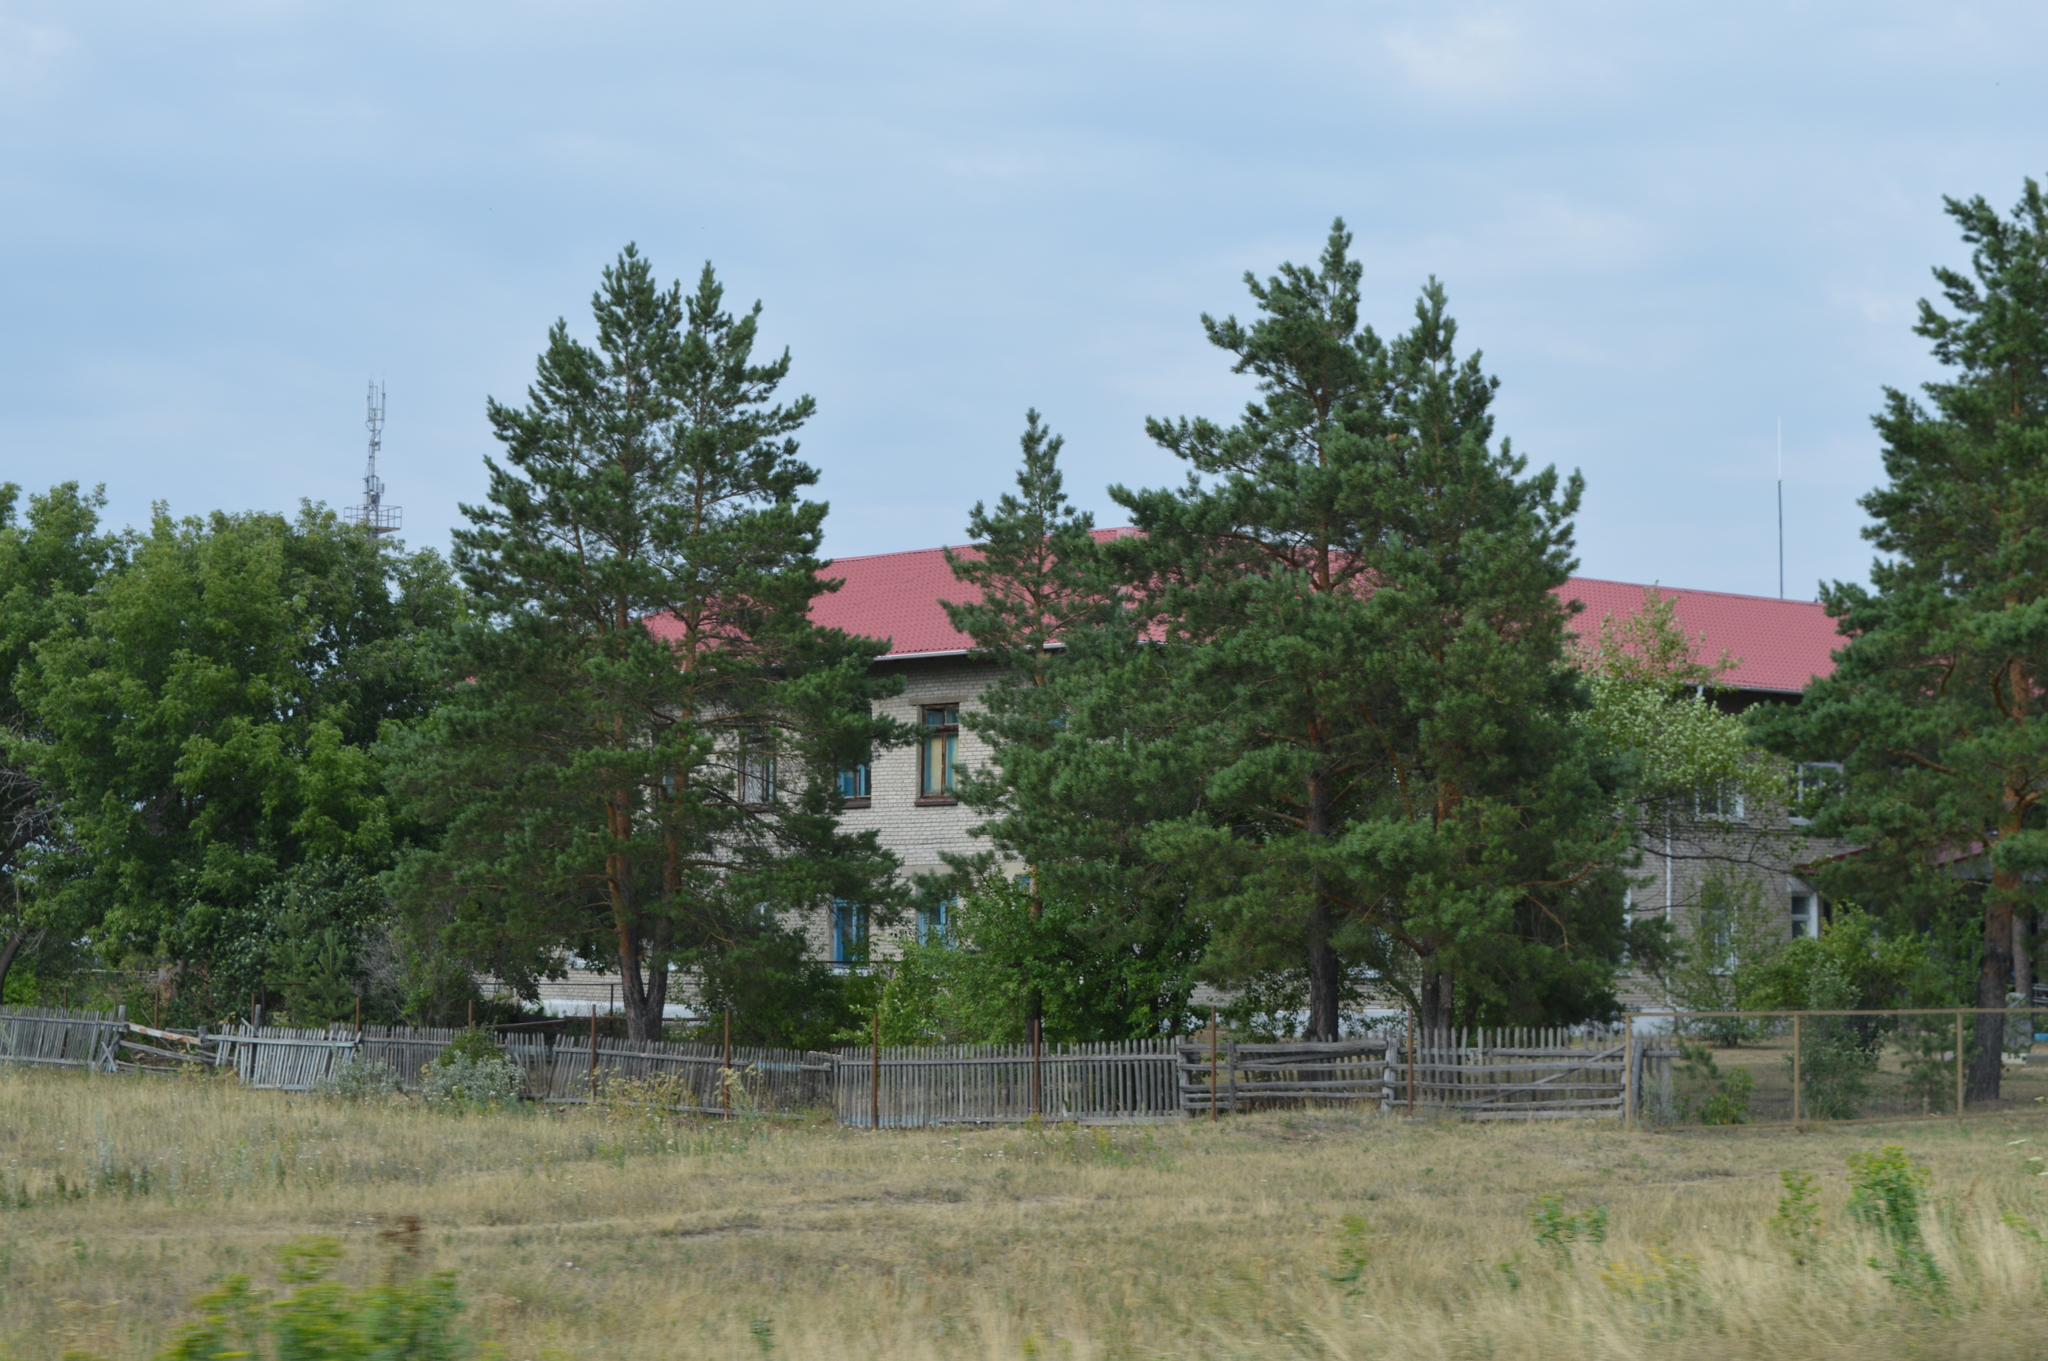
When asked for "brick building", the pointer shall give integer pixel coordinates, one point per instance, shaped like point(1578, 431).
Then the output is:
point(906, 793)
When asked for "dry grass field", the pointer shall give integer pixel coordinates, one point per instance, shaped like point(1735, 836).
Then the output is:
point(610, 1234)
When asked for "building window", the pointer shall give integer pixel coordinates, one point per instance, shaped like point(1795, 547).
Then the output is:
point(1723, 803)
point(849, 932)
point(935, 923)
point(938, 751)
point(853, 782)
point(756, 770)
point(1805, 912)
point(1812, 783)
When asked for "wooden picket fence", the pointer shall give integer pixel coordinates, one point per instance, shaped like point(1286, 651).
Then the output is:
point(1473, 1074)
point(1466, 1074)
point(980, 1084)
point(50, 1037)
point(282, 1058)
point(1252, 1076)
point(1525, 1074)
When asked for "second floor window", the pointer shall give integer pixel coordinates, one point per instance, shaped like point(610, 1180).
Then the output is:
point(756, 770)
point(939, 750)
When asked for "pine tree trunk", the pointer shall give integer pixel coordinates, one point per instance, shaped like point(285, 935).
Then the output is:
point(7, 954)
point(1994, 978)
point(1439, 1001)
point(2023, 955)
point(1325, 970)
point(1325, 980)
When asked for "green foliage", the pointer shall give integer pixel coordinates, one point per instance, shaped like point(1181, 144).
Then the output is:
point(1932, 707)
point(1654, 700)
point(1733, 938)
point(1557, 1230)
point(780, 994)
point(50, 561)
point(642, 730)
point(1354, 1254)
point(1724, 1097)
point(1797, 1221)
point(360, 1079)
point(472, 1073)
point(1060, 794)
point(204, 719)
point(472, 1045)
point(1007, 950)
point(1852, 964)
point(1887, 1191)
point(322, 1320)
point(1342, 672)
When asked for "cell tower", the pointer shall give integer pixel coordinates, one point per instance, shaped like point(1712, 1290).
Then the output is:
point(373, 514)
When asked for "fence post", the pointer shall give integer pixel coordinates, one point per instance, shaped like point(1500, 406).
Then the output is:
point(593, 1053)
point(1411, 1062)
point(1212, 1063)
point(1628, 1070)
point(875, 1078)
point(1798, 1056)
point(1959, 1063)
point(1037, 1043)
point(725, 1070)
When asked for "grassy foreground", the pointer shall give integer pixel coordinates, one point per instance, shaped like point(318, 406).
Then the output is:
point(615, 1235)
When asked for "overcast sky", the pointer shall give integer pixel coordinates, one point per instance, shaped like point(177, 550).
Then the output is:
point(1667, 228)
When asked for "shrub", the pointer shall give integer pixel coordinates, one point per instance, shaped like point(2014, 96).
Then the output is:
point(1886, 1191)
point(1557, 1230)
point(1797, 1222)
point(414, 1319)
point(359, 1079)
point(471, 1072)
point(1724, 1096)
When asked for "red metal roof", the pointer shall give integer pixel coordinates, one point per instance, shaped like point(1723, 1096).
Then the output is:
point(1781, 643)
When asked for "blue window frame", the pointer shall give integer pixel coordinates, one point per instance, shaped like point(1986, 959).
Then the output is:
point(935, 924)
point(849, 932)
point(853, 782)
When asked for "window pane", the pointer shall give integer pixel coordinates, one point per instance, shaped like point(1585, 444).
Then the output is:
point(937, 776)
point(853, 781)
point(849, 932)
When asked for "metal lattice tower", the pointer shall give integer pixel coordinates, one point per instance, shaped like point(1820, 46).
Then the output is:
point(373, 514)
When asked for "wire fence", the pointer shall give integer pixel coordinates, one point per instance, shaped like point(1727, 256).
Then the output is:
point(1805, 1067)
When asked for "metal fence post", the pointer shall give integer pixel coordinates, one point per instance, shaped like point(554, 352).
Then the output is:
point(1959, 1063)
point(1797, 1056)
point(875, 1079)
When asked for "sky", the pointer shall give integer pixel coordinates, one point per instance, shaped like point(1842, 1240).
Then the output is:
point(1670, 230)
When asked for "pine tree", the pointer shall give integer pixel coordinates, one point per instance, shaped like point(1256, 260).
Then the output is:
point(1350, 606)
point(639, 753)
point(1935, 705)
point(1056, 794)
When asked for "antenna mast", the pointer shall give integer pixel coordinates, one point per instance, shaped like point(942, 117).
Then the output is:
point(1781, 507)
point(373, 514)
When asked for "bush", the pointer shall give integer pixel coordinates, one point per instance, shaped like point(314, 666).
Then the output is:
point(1886, 1192)
point(1724, 1097)
point(472, 1072)
point(359, 1080)
point(413, 1319)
